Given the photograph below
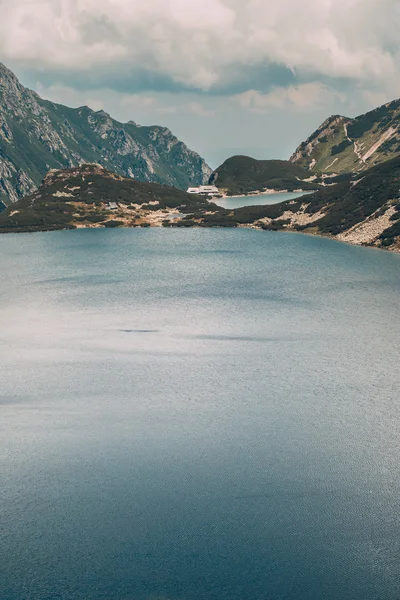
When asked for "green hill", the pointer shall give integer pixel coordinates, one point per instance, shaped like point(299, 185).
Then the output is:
point(242, 174)
point(91, 196)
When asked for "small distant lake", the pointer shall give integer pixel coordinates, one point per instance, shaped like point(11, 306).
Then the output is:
point(239, 201)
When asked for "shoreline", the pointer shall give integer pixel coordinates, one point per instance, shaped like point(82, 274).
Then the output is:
point(395, 250)
point(326, 237)
point(268, 192)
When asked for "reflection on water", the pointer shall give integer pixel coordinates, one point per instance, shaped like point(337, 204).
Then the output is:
point(198, 415)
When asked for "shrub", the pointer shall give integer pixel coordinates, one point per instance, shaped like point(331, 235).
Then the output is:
point(113, 223)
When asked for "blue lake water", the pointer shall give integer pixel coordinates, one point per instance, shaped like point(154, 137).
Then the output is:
point(198, 415)
point(239, 201)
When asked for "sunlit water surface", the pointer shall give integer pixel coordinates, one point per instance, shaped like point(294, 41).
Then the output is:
point(198, 415)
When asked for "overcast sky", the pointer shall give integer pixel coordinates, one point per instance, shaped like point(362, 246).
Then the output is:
point(227, 76)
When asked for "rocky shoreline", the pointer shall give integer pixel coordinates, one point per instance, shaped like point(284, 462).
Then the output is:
point(159, 220)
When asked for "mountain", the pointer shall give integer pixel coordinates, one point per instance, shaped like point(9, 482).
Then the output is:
point(342, 145)
point(92, 196)
point(37, 135)
point(242, 174)
point(361, 209)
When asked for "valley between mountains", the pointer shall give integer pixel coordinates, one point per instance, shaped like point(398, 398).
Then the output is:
point(64, 168)
point(364, 211)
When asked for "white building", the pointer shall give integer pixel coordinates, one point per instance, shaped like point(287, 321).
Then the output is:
point(204, 190)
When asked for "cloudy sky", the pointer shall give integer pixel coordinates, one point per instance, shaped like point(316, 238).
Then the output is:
point(227, 76)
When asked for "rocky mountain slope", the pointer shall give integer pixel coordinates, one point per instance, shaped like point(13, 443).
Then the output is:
point(362, 209)
point(242, 174)
point(37, 135)
point(342, 145)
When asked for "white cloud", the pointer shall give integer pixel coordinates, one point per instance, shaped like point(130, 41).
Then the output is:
point(97, 100)
point(136, 100)
point(194, 42)
point(256, 63)
point(198, 109)
point(66, 95)
point(167, 110)
point(300, 98)
point(126, 104)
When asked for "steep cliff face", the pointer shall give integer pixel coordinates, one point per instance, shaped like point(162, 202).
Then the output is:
point(343, 145)
point(36, 135)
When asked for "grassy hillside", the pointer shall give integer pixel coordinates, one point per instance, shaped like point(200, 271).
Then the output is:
point(342, 145)
point(242, 174)
point(362, 210)
point(92, 196)
point(374, 193)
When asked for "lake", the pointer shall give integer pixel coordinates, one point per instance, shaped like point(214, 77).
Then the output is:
point(198, 415)
point(239, 201)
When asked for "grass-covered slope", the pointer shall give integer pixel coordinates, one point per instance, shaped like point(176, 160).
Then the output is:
point(91, 196)
point(361, 204)
point(242, 174)
point(342, 145)
point(364, 209)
